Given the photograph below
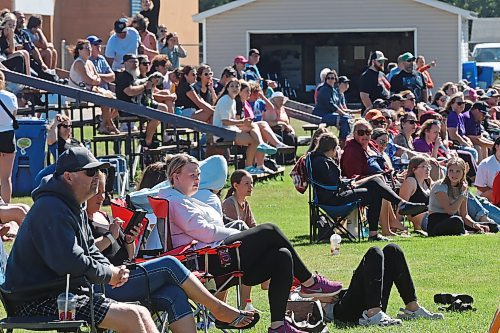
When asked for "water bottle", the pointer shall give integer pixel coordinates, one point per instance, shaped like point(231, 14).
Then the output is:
point(248, 305)
point(366, 232)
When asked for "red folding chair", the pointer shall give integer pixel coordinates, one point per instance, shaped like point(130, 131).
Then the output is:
point(120, 210)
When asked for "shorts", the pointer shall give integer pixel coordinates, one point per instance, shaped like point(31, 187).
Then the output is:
point(48, 307)
point(7, 142)
point(188, 112)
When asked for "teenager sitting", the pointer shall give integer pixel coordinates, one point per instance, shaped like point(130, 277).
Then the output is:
point(265, 252)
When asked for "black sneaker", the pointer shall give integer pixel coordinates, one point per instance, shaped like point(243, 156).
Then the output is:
point(378, 238)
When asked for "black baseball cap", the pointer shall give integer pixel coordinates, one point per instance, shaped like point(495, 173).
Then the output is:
point(128, 57)
point(481, 106)
point(77, 159)
point(396, 97)
point(343, 79)
point(121, 24)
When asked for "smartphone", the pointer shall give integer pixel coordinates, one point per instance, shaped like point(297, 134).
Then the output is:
point(135, 220)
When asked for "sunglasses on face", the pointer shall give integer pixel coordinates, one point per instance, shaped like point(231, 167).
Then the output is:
point(443, 99)
point(145, 63)
point(378, 122)
point(208, 74)
point(459, 103)
point(410, 121)
point(162, 31)
point(65, 125)
point(381, 61)
point(364, 132)
point(331, 78)
point(89, 172)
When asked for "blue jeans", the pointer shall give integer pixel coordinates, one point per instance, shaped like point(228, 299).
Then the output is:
point(479, 206)
point(341, 122)
point(166, 275)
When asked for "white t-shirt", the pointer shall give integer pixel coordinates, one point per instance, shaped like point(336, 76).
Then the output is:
point(10, 101)
point(224, 110)
point(486, 172)
point(117, 47)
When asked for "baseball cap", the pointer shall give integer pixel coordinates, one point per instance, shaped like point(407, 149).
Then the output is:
point(128, 57)
point(343, 79)
point(379, 103)
point(481, 106)
point(407, 57)
point(373, 115)
point(396, 97)
point(240, 60)
point(121, 24)
point(490, 93)
point(377, 55)
point(94, 40)
point(77, 159)
point(471, 93)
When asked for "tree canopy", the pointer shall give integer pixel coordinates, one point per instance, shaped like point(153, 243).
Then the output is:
point(485, 8)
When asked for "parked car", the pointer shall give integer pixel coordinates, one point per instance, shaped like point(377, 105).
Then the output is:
point(488, 54)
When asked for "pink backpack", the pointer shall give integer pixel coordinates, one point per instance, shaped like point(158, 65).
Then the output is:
point(299, 175)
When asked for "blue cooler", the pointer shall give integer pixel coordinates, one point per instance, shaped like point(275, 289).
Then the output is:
point(30, 157)
point(484, 76)
point(469, 72)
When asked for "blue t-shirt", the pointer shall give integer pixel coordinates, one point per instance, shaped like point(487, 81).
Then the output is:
point(456, 121)
point(102, 67)
point(472, 127)
point(117, 47)
point(259, 107)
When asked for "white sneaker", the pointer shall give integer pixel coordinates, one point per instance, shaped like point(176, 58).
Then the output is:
point(420, 313)
point(380, 319)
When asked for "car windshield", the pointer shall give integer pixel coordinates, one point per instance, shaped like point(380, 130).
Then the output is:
point(487, 54)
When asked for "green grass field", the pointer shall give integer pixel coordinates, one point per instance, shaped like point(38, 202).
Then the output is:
point(443, 264)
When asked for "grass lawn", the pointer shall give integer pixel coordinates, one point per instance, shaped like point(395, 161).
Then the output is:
point(443, 264)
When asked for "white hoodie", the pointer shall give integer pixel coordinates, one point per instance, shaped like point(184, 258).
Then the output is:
point(191, 219)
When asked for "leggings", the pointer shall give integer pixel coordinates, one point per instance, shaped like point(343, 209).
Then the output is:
point(442, 224)
point(265, 254)
point(370, 194)
point(372, 282)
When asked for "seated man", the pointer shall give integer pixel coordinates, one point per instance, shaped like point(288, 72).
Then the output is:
point(130, 88)
point(56, 235)
point(487, 170)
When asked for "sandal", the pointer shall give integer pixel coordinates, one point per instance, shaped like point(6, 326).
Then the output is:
point(458, 306)
point(233, 325)
point(451, 298)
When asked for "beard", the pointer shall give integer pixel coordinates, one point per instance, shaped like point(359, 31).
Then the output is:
point(378, 67)
point(134, 72)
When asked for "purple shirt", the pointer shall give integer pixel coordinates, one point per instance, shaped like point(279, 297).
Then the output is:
point(456, 120)
point(471, 126)
point(421, 146)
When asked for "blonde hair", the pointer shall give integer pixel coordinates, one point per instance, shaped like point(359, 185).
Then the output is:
point(2, 81)
point(453, 98)
point(462, 183)
point(6, 18)
point(177, 162)
point(360, 122)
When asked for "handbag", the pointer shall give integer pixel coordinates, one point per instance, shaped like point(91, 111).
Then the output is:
point(15, 124)
point(305, 315)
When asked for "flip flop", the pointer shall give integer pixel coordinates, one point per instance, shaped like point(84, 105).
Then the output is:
point(232, 325)
point(451, 298)
point(458, 306)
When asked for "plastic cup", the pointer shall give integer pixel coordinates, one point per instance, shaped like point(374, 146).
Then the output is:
point(335, 244)
point(69, 312)
point(178, 111)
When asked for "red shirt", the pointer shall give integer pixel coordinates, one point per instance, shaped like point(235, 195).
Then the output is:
point(353, 161)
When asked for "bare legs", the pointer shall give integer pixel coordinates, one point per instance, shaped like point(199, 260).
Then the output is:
point(128, 318)
point(6, 165)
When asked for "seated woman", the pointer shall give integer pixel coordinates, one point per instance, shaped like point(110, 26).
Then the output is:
point(369, 190)
point(417, 188)
point(408, 125)
point(265, 252)
point(204, 85)
point(17, 60)
point(365, 302)
point(84, 75)
point(170, 283)
point(440, 100)
point(248, 134)
point(59, 136)
point(193, 106)
point(448, 204)
point(328, 107)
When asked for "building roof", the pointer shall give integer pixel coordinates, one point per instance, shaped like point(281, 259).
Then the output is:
point(239, 3)
point(485, 30)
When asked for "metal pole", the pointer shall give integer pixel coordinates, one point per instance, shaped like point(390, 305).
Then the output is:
point(63, 54)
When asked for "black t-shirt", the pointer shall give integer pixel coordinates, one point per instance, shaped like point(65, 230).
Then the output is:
point(123, 80)
point(152, 16)
point(117, 252)
point(4, 44)
point(371, 84)
point(63, 145)
point(182, 99)
point(206, 96)
point(414, 81)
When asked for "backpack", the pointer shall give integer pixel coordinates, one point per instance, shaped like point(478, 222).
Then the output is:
point(299, 175)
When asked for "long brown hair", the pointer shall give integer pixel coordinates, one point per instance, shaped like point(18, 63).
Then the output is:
point(452, 100)
point(462, 183)
point(415, 161)
point(316, 135)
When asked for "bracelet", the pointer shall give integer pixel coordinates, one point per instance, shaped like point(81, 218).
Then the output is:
point(110, 237)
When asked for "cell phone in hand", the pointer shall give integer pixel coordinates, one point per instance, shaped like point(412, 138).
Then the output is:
point(135, 221)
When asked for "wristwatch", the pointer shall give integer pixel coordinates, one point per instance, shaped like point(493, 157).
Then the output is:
point(109, 236)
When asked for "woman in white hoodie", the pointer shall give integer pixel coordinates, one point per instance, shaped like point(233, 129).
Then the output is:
point(265, 252)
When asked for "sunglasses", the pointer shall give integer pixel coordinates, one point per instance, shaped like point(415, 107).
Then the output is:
point(364, 132)
point(208, 74)
point(331, 78)
point(443, 99)
point(459, 103)
point(378, 122)
point(162, 31)
point(411, 121)
point(145, 63)
point(381, 61)
point(65, 125)
point(88, 172)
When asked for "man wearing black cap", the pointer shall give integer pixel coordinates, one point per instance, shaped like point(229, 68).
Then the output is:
point(124, 40)
point(55, 240)
point(410, 79)
point(472, 120)
point(395, 102)
point(373, 84)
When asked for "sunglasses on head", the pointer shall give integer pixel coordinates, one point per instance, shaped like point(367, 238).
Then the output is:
point(364, 132)
point(65, 125)
point(378, 122)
